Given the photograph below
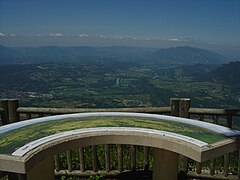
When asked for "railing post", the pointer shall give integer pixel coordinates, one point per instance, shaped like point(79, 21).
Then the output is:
point(4, 115)
point(174, 103)
point(29, 116)
point(56, 162)
point(226, 165)
point(229, 120)
point(198, 168)
point(69, 161)
point(12, 110)
point(146, 158)
point(94, 158)
point(120, 157)
point(201, 117)
point(107, 157)
point(165, 164)
point(212, 167)
point(238, 164)
point(133, 157)
point(81, 159)
point(184, 106)
point(42, 170)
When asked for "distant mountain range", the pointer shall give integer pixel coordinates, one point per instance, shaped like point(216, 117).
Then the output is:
point(185, 55)
point(174, 55)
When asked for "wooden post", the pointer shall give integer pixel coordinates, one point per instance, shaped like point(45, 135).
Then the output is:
point(238, 164)
point(226, 165)
point(12, 176)
point(43, 170)
point(133, 157)
point(229, 120)
point(212, 167)
point(201, 117)
point(198, 168)
point(107, 157)
point(94, 158)
point(12, 110)
point(174, 103)
point(165, 164)
point(146, 158)
point(56, 162)
point(184, 106)
point(4, 115)
point(29, 115)
point(120, 157)
point(216, 120)
point(69, 161)
point(81, 159)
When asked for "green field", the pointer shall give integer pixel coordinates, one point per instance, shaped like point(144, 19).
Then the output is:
point(12, 140)
point(103, 85)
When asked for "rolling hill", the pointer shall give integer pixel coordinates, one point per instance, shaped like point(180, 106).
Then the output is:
point(184, 55)
point(76, 54)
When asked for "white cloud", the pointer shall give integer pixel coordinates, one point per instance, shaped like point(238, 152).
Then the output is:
point(2, 34)
point(40, 35)
point(83, 35)
point(147, 39)
point(56, 34)
point(173, 39)
point(117, 37)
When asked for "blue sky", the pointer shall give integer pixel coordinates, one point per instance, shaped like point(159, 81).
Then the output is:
point(205, 21)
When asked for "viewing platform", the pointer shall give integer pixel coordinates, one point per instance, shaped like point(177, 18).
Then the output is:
point(30, 148)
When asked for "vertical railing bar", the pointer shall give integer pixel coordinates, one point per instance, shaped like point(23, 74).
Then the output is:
point(226, 165)
point(56, 162)
point(198, 168)
point(81, 159)
point(120, 157)
point(238, 163)
point(107, 157)
point(133, 157)
point(40, 115)
point(213, 119)
point(201, 117)
point(94, 158)
point(212, 166)
point(29, 115)
point(146, 158)
point(229, 120)
point(216, 119)
point(69, 160)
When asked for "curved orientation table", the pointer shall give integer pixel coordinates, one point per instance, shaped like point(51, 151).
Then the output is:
point(24, 144)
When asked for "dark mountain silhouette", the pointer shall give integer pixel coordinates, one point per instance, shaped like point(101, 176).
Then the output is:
point(227, 73)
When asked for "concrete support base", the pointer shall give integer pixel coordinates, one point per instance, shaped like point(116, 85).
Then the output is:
point(44, 170)
point(165, 165)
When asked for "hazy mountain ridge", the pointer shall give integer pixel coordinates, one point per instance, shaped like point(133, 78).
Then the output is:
point(174, 55)
point(184, 55)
